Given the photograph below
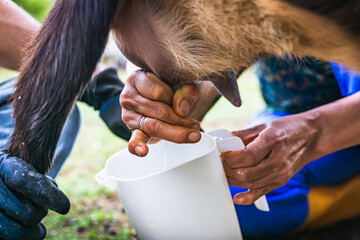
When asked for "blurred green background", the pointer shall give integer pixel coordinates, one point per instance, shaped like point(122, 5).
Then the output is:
point(96, 212)
point(37, 8)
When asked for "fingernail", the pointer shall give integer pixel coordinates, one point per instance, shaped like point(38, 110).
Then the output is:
point(239, 200)
point(185, 107)
point(138, 150)
point(195, 126)
point(194, 137)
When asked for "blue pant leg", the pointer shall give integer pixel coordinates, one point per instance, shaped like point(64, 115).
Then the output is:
point(334, 168)
point(6, 121)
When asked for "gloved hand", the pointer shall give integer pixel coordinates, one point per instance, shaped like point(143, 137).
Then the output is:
point(102, 94)
point(25, 197)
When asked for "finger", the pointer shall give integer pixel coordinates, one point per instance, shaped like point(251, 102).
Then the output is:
point(21, 177)
point(151, 87)
point(10, 229)
point(270, 178)
point(137, 143)
point(162, 112)
point(251, 196)
point(253, 154)
point(184, 99)
point(248, 135)
point(158, 129)
point(250, 173)
point(20, 208)
point(134, 107)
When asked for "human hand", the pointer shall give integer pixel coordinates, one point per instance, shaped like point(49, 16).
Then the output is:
point(25, 197)
point(274, 153)
point(146, 95)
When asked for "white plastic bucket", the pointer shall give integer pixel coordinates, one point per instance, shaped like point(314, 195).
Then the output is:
point(178, 191)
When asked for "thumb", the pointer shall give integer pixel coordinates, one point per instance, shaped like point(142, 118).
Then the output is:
point(248, 135)
point(184, 98)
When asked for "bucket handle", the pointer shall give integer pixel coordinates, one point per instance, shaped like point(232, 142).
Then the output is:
point(226, 142)
point(104, 180)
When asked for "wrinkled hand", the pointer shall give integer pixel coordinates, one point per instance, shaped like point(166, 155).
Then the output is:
point(274, 153)
point(166, 112)
point(25, 197)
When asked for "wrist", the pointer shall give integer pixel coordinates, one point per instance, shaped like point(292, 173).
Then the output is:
point(323, 121)
point(315, 134)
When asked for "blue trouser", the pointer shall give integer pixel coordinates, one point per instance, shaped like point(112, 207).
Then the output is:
point(67, 138)
point(289, 206)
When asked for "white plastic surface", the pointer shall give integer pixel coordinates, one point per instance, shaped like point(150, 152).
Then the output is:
point(189, 199)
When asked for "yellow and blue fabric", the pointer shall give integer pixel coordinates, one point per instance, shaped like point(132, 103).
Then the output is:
point(324, 191)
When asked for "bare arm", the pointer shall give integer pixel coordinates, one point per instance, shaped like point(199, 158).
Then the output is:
point(339, 123)
point(16, 29)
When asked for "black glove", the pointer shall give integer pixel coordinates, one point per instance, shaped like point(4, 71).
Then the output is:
point(103, 94)
point(25, 197)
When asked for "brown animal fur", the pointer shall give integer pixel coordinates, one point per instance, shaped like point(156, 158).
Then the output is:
point(210, 36)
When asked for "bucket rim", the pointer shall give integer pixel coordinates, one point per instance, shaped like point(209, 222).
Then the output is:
point(110, 159)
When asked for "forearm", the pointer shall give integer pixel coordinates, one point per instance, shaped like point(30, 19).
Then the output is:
point(16, 29)
point(339, 124)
